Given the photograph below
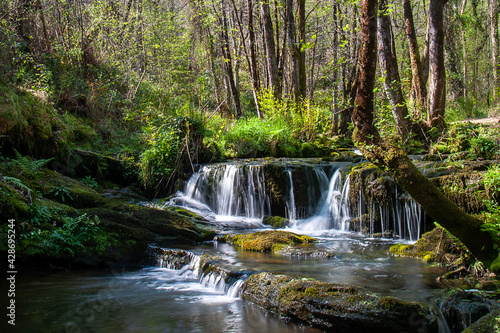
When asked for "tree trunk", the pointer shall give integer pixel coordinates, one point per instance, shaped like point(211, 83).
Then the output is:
point(228, 65)
point(335, 97)
point(465, 227)
point(418, 83)
point(301, 49)
point(494, 11)
point(437, 71)
point(253, 55)
point(294, 51)
point(271, 59)
point(389, 68)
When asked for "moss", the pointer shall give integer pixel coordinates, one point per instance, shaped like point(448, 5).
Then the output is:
point(489, 323)
point(277, 222)
point(495, 266)
point(267, 241)
point(437, 246)
point(392, 303)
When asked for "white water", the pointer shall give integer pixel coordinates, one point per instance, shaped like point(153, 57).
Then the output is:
point(237, 194)
point(214, 280)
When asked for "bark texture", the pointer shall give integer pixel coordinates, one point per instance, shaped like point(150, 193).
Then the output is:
point(271, 58)
point(437, 71)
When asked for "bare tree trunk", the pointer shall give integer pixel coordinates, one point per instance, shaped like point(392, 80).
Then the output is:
point(389, 68)
point(393, 159)
point(335, 97)
point(464, 50)
point(418, 83)
point(494, 11)
point(437, 71)
point(271, 59)
point(301, 49)
point(229, 66)
point(250, 58)
point(294, 51)
point(253, 55)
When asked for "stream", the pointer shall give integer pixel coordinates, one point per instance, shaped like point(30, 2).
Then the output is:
point(235, 198)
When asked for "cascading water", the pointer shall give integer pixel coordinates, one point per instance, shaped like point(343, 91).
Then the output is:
point(332, 210)
point(239, 193)
point(227, 192)
point(188, 265)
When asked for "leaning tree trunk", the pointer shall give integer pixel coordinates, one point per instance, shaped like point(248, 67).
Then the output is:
point(437, 80)
point(465, 227)
point(389, 68)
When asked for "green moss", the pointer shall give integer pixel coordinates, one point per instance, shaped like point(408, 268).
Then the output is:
point(268, 241)
point(437, 246)
point(495, 266)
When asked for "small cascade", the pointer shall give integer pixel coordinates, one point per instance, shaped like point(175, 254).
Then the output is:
point(193, 266)
point(290, 203)
point(225, 191)
point(333, 209)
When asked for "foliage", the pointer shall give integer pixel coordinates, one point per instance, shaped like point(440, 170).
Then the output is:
point(90, 182)
point(61, 192)
point(253, 137)
point(491, 181)
point(76, 236)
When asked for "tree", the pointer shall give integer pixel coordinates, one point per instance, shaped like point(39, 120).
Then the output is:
point(393, 159)
point(437, 70)
point(389, 68)
point(418, 83)
point(274, 79)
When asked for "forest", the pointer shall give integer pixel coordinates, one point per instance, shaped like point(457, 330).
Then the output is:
point(99, 96)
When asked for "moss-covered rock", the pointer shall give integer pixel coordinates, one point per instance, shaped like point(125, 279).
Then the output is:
point(437, 246)
point(277, 222)
point(340, 308)
point(487, 324)
point(267, 241)
point(461, 309)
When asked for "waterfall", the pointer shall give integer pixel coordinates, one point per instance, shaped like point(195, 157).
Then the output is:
point(189, 265)
point(226, 192)
point(291, 208)
point(314, 197)
point(332, 211)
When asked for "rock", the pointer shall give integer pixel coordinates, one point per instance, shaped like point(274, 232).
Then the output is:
point(340, 308)
point(463, 308)
point(486, 324)
point(436, 246)
point(277, 222)
point(267, 241)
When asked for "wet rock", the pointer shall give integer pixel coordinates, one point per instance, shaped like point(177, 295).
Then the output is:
point(277, 222)
point(463, 308)
point(168, 258)
point(486, 324)
point(267, 241)
point(335, 307)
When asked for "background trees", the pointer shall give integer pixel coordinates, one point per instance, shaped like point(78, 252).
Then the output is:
point(144, 64)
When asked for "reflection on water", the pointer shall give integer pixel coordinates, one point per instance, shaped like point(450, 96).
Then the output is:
point(163, 300)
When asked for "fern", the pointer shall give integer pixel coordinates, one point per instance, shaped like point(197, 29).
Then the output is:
point(26, 165)
point(16, 182)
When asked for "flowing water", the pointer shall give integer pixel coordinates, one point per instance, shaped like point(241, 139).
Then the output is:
point(171, 296)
